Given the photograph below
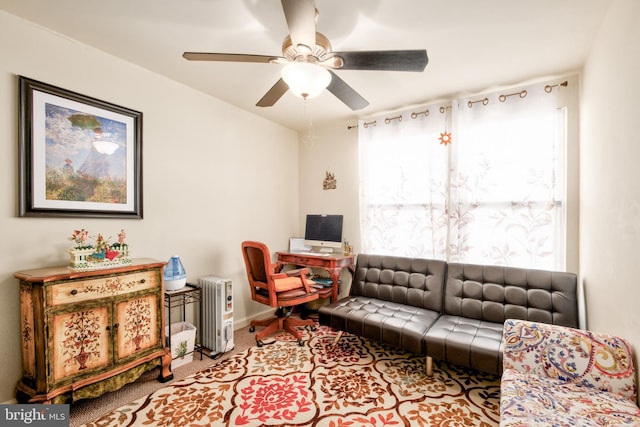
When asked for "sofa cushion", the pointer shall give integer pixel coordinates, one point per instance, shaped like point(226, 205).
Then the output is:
point(392, 299)
point(494, 294)
point(467, 342)
point(479, 298)
point(410, 281)
point(533, 400)
point(399, 325)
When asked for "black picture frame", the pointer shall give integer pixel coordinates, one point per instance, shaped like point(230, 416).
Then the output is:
point(79, 156)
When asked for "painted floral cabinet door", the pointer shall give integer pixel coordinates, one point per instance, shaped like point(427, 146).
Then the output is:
point(137, 325)
point(80, 342)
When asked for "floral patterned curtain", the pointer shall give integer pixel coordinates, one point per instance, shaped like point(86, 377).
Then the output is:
point(494, 195)
point(403, 185)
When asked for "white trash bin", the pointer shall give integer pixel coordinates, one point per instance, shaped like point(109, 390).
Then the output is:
point(183, 340)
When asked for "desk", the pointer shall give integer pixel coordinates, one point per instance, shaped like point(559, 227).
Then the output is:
point(333, 264)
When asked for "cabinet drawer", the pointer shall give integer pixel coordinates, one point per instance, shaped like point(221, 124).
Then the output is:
point(103, 287)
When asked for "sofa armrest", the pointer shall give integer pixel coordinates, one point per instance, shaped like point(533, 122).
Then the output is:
point(575, 356)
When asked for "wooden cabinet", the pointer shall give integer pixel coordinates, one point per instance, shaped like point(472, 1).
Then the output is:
point(86, 333)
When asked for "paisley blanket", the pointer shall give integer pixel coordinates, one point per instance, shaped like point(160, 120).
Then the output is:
point(565, 377)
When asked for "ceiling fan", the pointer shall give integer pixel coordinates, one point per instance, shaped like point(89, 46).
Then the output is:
point(305, 48)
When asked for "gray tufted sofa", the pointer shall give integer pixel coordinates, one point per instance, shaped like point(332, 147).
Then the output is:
point(393, 300)
point(449, 311)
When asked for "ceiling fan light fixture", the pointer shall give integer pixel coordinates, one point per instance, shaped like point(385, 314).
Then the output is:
point(306, 80)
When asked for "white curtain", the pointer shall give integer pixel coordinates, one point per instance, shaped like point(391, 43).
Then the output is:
point(403, 185)
point(495, 195)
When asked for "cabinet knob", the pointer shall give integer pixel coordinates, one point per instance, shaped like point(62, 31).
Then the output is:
point(74, 292)
point(115, 328)
point(143, 280)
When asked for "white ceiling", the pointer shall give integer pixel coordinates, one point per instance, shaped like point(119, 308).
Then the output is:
point(472, 44)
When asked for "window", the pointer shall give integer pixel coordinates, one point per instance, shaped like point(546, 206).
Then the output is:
point(495, 195)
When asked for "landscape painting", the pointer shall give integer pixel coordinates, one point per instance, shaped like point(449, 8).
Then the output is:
point(81, 156)
point(85, 157)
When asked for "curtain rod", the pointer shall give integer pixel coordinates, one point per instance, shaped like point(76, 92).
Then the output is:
point(387, 120)
point(549, 88)
point(484, 101)
point(521, 94)
point(443, 109)
point(416, 114)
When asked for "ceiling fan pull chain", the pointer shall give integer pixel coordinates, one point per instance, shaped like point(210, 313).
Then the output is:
point(307, 113)
point(309, 138)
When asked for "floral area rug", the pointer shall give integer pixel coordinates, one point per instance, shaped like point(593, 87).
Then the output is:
point(356, 383)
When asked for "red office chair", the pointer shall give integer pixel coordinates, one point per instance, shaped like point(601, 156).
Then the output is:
point(279, 290)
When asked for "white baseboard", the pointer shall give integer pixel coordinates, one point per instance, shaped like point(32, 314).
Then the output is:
point(246, 321)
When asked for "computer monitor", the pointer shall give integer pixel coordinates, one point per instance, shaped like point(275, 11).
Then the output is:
point(323, 232)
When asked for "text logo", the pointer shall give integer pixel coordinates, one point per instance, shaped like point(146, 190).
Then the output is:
point(34, 415)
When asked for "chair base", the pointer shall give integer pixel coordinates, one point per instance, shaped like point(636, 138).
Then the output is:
point(281, 321)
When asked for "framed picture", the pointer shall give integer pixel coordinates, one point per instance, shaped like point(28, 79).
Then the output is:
point(79, 156)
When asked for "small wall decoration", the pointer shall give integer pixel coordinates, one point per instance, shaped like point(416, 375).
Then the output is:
point(329, 182)
point(445, 138)
point(79, 156)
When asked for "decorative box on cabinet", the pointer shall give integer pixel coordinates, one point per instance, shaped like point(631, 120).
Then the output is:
point(86, 333)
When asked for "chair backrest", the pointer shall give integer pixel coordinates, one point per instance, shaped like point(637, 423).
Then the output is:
point(257, 261)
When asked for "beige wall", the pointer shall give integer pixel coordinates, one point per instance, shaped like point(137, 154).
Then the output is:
point(610, 175)
point(335, 150)
point(205, 185)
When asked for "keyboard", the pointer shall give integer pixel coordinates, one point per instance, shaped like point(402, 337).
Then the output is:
point(312, 253)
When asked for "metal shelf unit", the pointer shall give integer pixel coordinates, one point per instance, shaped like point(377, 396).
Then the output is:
point(189, 294)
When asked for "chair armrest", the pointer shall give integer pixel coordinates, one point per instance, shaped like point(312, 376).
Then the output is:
point(291, 273)
point(297, 272)
point(572, 355)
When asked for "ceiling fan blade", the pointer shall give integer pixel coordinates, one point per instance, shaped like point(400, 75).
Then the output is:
point(227, 57)
point(346, 93)
point(301, 20)
point(385, 60)
point(273, 94)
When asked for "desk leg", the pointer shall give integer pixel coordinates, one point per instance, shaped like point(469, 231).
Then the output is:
point(334, 273)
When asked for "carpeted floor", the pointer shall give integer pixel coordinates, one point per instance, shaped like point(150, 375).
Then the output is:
point(357, 382)
point(87, 410)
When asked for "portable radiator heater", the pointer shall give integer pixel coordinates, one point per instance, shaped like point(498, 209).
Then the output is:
point(217, 314)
